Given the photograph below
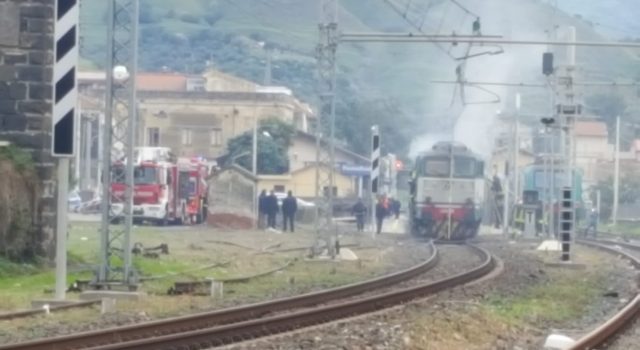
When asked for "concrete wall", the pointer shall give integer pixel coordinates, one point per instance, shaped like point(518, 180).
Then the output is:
point(303, 183)
point(26, 54)
point(590, 152)
point(302, 153)
point(218, 81)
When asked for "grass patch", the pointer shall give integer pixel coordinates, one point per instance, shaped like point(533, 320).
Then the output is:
point(554, 302)
point(20, 158)
point(10, 269)
point(565, 294)
point(623, 229)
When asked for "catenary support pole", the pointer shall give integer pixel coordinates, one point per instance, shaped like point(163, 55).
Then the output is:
point(516, 152)
point(254, 165)
point(616, 175)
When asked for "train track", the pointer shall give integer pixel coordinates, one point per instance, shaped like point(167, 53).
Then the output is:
point(616, 324)
point(246, 322)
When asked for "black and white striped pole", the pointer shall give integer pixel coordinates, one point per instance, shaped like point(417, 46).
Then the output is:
point(375, 173)
point(65, 99)
point(566, 222)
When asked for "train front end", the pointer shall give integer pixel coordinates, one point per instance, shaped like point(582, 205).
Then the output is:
point(447, 193)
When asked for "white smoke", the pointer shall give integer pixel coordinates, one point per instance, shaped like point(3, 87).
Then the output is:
point(475, 124)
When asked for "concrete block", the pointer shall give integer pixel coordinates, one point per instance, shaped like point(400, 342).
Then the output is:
point(108, 306)
point(550, 246)
point(40, 57)
point(35, 107)
point(111, 294)
point(347, 254)
point(36, 41)
point(13, 123)
point(40, 74)
point(17, 91)
point(558, 342)
point(40, 91)
point(36, 25)
point(8, 73)
point(217, 288)
point(9, 24)
point(15, 58)
point(8, 107)
point(37, 11)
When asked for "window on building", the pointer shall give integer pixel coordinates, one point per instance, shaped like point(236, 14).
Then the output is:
point(216, 137)
point(279, 188)
point(153, 137)
point(187, 137)
point(325, 191)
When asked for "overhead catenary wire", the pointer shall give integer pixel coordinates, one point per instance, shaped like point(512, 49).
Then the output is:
point(466, 10)
point(397, 10)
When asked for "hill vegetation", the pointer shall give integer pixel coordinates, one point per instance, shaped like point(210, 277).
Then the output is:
point(387, 84)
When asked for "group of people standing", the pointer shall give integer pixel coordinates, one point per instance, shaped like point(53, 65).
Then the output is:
point(384, 207)
point(268, 208)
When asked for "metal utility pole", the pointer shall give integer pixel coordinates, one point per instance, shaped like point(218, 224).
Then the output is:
point(325, 151)
point(616, 175)
point(254, 164)
point(568, 109)
point(516, 152)
point(119, 143)
point(505, 200)
point(268, 67)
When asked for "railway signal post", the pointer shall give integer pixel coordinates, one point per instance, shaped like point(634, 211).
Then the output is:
point(64, 121)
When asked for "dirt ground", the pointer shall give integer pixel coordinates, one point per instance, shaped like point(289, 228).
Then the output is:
point(197, 253)
point(518, 309)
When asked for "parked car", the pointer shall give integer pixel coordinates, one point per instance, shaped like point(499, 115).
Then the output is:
point(74, 201)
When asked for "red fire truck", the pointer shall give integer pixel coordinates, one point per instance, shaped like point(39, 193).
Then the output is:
point(166, 189)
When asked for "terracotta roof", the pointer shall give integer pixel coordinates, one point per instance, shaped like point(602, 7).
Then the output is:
point(161, 82)
point(146, 81)
point(591, 128)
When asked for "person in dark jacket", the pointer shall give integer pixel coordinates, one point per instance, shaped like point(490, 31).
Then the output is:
point(395, 207)
point(381, 212)
point(359, 210)
point(272, 210)
point(262, 209)
point(289, 208)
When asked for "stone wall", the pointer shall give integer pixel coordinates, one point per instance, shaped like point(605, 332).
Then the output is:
point(26, 55)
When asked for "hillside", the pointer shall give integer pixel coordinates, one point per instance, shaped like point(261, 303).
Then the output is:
point(375, 80)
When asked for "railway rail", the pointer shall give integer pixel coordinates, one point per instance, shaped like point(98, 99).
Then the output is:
point(231, 333)
point(616, 324)
point(223, 316)
point(246, 322)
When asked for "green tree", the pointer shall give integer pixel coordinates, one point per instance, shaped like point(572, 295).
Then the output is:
point(629, 192)
point(274, 139)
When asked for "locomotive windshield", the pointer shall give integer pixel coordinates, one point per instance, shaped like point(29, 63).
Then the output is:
point(463, 167)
